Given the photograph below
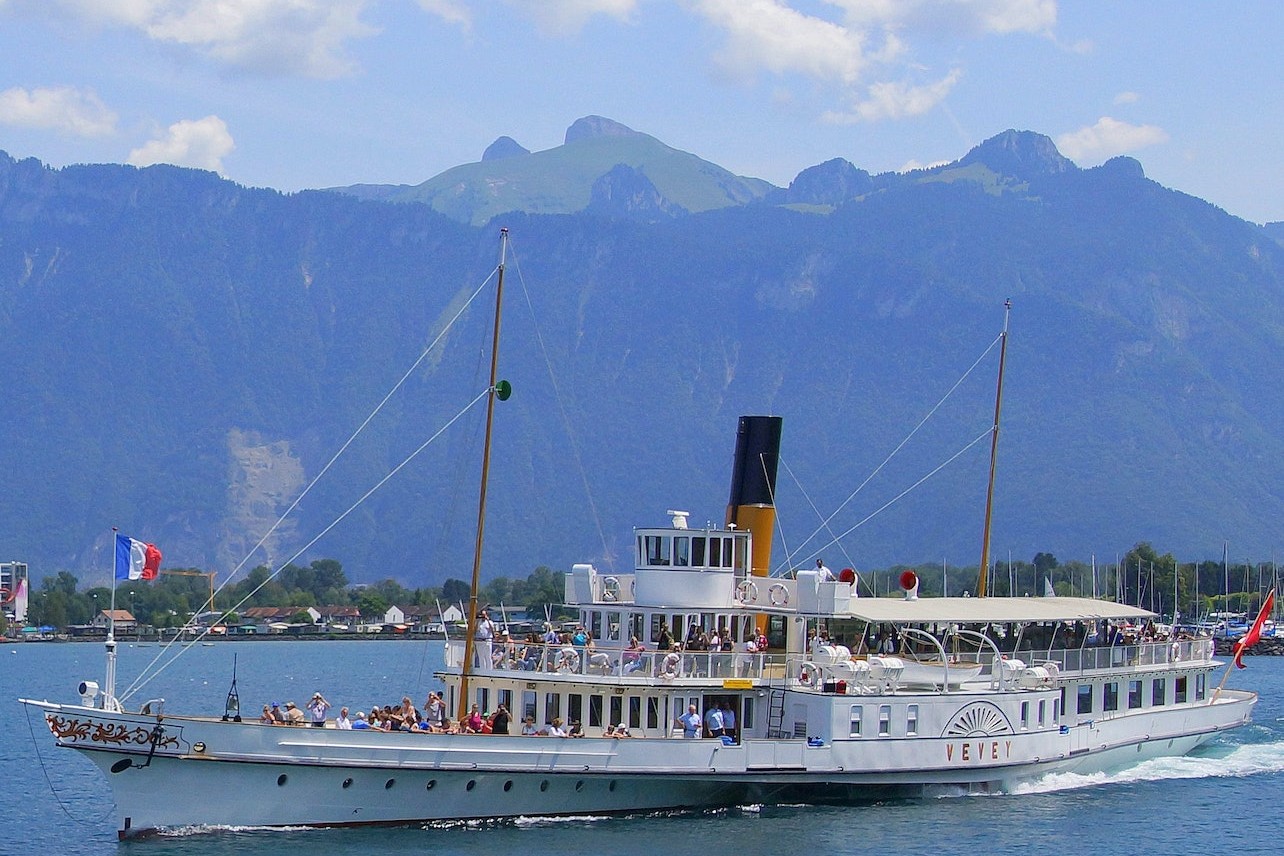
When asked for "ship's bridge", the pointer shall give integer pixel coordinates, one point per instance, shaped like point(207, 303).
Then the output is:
point(674, 566)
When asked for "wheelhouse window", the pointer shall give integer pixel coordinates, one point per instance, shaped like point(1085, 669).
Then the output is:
point(682, 551)
point(1110, 696)
point(1134, 694)
point(715, 552)
point(656, 549)
point(697, 551)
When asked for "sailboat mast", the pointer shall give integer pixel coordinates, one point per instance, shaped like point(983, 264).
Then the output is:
point(994, 451)
point(466, 668)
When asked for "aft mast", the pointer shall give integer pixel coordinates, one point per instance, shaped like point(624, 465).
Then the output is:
point(994, 450)
point(502, 392)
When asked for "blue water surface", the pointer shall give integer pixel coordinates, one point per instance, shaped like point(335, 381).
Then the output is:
point(1227, 796)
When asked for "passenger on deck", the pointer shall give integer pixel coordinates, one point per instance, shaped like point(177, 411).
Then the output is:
point(317, 709)
point(631, 659)
point(267, 718)
point(729, 721)
point(499, 720)
point(556, 729)
point(690, 723)
point(277, 714)
point(577, 730)
point(528, 727)
point(473, 724)
point(435, 710)
point(360, 724)
point(665, 640)
point(713, 721)
point(293, 716)
point(341, 721)
point(824, 574)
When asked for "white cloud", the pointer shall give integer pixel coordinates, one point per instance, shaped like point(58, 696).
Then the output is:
point(1107, 138)
point(770, 35)
point(960, 17)
point(896, 100)
point(199, 143)
point(1127, 98)
point(304, 37)
point(450, 11)
point(912, 164)
point(567, 17)
point(77, 112)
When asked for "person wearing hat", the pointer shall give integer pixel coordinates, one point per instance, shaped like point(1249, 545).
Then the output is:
point(360, 724)
point(483, 637)
point(293, 716)
point(277, 716)
point(317, 709)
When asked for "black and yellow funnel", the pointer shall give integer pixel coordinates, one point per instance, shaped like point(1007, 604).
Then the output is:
point(753, 485)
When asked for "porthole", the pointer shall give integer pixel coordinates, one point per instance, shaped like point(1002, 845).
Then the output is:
point(543, 786)
point(508, 786)
point(432, 783)
point(388, 784)
point(472, 783)
point(347, 783)
point(579, 786)
point(281, 780)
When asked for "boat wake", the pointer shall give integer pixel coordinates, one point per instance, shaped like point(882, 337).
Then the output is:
point(1240, 761)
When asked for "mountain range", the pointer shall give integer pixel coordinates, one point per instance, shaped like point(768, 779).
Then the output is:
point(184, 355)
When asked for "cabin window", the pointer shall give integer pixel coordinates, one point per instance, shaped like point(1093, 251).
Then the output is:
point(575, 708)
point(613, 626)
point(911, 720)
point(483, 698)
point(1025, 715)
point(697, 552)
point(1110, 696)
point(595, 711)
point(1134, 695)
point(652, 712)
point(682, 551)
point(635, 711)
point(657, 550)
point(1179, 689)
point(506, 698)
point(746, 716)
point(856, 715)
point(1043, 711)
point(1201, 687)
point(528, 705)
point(884, 720)
point(1085, 699)
point(1157, 691)
point(637, 624)
point(617, 710)
point(595, 624)
point(715, 552)
point(552, 706)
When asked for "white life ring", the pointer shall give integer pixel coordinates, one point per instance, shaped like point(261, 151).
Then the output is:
point(779, 595)
point(669, 666)
point(610, 589)
point(568, 660)
point(747, 592)
point(807, 674)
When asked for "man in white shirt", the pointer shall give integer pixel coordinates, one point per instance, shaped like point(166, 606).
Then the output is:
point(482, 638)
point(690, 722)
point(713, 721)
point(823, 573)
point(317, 709)
point(342, 722)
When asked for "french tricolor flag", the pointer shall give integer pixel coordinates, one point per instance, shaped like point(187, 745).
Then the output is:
point(136, 560)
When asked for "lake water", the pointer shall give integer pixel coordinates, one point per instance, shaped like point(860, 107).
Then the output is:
point(1228, 796)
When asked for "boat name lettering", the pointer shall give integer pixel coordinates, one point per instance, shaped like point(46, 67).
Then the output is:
point(978, 750)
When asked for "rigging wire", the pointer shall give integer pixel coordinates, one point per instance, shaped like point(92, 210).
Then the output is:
point(139, 682)
point(320, 474)
point(824, 525)
point(561, 409)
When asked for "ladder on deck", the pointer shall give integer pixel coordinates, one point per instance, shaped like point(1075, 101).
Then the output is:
point(776, 714)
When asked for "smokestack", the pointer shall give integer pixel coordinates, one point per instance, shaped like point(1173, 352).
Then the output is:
point(753, 485)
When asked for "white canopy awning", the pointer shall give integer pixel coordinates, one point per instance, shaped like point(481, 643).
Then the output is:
point(989, 610)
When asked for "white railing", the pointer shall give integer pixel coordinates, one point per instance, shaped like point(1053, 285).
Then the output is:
point(599, 662)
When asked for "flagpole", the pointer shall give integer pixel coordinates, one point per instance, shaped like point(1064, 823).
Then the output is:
point(109, 679)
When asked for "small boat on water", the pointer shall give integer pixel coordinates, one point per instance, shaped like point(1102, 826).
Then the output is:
point(813, 695)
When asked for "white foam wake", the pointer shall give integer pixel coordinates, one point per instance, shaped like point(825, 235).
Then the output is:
point(1248, 760)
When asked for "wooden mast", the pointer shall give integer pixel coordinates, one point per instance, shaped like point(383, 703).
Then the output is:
point(994, 450)
point(466, 669)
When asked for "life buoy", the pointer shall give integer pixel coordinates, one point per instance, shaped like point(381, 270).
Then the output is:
point(568, 660)
point(747, 592)
point(610, 589)
point(807, 674)
point(779, 595)
point(669, 666)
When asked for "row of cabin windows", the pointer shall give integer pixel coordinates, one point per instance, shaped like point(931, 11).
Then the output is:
point(1086, 701)
point(857, 720)
point(603, 710)
point(1042, 720)
point(689, 551)
point(609, 625)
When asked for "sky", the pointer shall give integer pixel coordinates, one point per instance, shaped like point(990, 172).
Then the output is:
point(296, 94)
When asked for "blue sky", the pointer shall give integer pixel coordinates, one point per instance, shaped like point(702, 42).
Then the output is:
point(293, 94)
